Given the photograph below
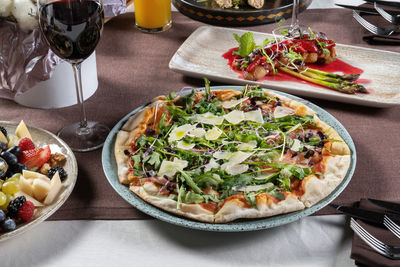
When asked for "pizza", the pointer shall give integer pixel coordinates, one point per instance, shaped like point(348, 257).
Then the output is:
point(220, 155)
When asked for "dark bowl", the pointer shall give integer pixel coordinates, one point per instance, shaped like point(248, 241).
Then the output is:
point(272, 11)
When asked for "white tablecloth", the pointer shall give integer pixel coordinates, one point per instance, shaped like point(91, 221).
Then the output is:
point(312, 241)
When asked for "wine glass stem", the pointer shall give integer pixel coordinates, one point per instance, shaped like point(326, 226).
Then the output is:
point(295, 14)
point(83, 125)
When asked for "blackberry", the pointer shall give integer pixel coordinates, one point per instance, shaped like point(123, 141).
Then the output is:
point(3, 130)
point(63, 174)
point(14, 205)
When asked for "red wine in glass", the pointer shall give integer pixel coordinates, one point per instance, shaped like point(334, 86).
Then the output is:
point(72, 29)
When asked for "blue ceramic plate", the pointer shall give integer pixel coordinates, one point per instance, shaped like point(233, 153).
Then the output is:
point(110, 170)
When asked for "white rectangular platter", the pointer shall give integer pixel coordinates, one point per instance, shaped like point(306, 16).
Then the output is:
point(201, 56)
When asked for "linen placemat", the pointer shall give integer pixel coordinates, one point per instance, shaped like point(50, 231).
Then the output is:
point(133, 68)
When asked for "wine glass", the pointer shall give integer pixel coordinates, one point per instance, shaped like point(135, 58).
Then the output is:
point(72, 29)
point(294, 29)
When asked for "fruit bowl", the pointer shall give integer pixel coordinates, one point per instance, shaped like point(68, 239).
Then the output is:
point(43, 138)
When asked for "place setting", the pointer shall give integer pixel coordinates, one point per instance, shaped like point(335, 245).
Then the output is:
point(185, 113)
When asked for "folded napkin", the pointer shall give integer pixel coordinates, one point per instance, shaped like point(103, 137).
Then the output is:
point(362, 253)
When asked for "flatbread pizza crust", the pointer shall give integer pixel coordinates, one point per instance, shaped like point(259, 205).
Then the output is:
point(315, 189)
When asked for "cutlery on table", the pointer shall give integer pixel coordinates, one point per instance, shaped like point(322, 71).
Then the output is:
point(391, 206)
point(391, 252)
point(365, 215)
point(381, 40)
point(392, 226)
point(394, 19)
point(385, 3)
point(368, 10)
point(373, 28)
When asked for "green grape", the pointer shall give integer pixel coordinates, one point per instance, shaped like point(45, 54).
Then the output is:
point(10, 187)
point(5, 205)
point(3, 198)
point(15, 177)
point(1, 183)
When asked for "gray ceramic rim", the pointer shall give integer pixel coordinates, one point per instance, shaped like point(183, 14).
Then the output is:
point(43, 213)
point(110, 170)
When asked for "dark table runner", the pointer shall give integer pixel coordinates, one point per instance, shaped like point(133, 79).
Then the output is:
point(133, 68)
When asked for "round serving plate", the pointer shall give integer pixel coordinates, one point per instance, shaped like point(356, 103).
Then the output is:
point(272, 11)
point(110, 170)
point(41, 138)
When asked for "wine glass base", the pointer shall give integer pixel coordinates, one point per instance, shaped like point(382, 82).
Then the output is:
point(291, 31)
point(86, 139)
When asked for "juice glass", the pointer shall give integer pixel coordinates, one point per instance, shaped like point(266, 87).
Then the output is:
point(153, 15)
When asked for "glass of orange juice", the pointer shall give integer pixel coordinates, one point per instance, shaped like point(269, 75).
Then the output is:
point(153, 15)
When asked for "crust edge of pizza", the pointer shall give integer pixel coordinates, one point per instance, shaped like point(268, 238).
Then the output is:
point(233, 210)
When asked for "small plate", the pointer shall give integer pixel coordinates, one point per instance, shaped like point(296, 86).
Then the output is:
point(110, 170)
point(271, 12)
point(40, 138)
point(201, 56)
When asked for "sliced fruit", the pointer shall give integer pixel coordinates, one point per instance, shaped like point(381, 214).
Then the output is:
point(12, 140)
point(55, 188)
point(29, 198)
point(3, 138)
point(26, 185)
point(22, 131)
point(40, 189)
point(34, 175)
point(35, 157)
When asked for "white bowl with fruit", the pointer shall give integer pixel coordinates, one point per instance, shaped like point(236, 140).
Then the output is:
point(38, 172)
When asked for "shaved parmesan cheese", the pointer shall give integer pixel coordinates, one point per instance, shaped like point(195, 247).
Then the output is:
point(237, 169)
point(213, 134)
point(296, 146)
point(170, 168)
point(209, 118)
point(239, 157)
point(179, 132)
point(184, 145)
point(235, 116)
point(247, 146)
point(213, 164)
point(233, 103)
point(293, 128)
point(222, 154)
point(197, 132)
point(281, 111)
point(264, 176)
point(255, 115)
point(254, 188)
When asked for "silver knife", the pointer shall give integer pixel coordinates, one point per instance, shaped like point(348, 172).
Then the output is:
point(369, 10)
point(365, 215)
point(385, 3)
point(386, 205)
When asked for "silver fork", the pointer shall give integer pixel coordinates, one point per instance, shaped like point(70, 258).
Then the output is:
point(392, 226)
point(394, 19)
point(391, 252)
point(372, 28)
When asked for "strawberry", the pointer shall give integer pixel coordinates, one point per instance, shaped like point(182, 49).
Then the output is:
point(25, 212)
point(26, 144)
point(35, 157)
